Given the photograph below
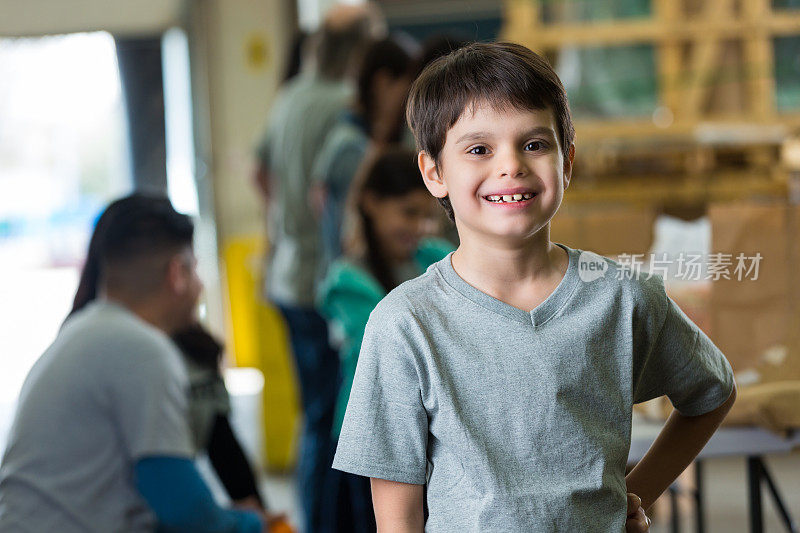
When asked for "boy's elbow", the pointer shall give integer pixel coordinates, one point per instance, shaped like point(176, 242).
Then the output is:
point(732, 397)
point(728, 404)
point(414, 523)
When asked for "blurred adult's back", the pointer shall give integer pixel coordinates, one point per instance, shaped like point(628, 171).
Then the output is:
point(303, 113)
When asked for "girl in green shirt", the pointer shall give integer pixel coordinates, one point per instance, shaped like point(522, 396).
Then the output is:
point(391, 214)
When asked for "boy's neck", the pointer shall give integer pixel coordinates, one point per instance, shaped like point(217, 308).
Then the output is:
point(522, 274)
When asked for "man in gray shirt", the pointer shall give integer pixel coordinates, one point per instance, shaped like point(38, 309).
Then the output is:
point(100, 440)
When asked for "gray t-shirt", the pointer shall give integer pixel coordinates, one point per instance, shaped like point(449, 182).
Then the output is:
point(110, 390)
point(303, 113)
point(521, 421)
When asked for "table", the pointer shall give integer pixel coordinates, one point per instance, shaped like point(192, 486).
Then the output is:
point(752, 443)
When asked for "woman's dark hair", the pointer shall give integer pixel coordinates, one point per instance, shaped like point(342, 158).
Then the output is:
point(391, 174)
point(503, 74)
point(129, 228)
point(197, 343)
point(382, 55)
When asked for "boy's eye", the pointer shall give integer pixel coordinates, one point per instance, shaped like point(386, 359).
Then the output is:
point(532, 146)
point(477, 150)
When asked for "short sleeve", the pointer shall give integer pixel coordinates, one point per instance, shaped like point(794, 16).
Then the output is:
point(264, 146)
point(149, 400)
point(677, 359)
point(385, 429)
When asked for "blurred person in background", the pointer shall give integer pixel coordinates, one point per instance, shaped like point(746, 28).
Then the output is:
point(209, 403)
point(391, 219)
point(304, 111)
point(101, 439)
point(376, 117)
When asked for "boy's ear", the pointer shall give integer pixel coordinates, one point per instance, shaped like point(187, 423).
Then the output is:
point(568, 165)
point(430, 175)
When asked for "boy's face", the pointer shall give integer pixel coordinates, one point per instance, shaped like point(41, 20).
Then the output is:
point(491, 157)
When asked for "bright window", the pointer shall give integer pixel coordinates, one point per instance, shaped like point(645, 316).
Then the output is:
point(63, 156)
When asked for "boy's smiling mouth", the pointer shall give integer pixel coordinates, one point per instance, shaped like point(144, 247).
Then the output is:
point(510, 196)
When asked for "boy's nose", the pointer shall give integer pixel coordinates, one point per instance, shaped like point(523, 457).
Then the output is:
point(511, 165)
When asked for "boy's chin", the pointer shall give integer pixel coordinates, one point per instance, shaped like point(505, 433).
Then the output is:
point(509, 231)
point(511, 235)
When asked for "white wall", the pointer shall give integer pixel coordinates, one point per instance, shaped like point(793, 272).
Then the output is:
point(42, 17)
point(239, 48)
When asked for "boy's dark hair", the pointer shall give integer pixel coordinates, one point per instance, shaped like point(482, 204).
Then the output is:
point(503, 74)
point(131, 227)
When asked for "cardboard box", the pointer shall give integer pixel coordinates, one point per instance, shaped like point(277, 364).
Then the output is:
point(750, 229)
point(750, 336)
point(756, 322)
point(606, 230)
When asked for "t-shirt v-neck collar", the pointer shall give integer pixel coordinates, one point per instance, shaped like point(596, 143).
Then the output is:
point(536, 317)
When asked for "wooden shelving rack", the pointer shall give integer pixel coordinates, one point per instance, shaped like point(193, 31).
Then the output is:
point(690, 150)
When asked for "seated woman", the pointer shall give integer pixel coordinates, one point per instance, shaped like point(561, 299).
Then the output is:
point(390, 213)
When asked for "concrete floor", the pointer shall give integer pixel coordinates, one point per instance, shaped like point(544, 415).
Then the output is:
point(279, 490)
point(725, 497)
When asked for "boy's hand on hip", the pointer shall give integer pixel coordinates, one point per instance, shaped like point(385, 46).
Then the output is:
point(637, 522)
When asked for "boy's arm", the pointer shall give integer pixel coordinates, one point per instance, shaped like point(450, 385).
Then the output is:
point(681, 439)
point(398, 506)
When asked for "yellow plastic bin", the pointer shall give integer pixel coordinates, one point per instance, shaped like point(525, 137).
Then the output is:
point(257, 338)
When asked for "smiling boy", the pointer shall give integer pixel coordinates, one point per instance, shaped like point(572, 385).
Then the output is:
point(500, 379)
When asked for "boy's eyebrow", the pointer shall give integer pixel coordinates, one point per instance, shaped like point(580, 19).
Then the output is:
point(479, 135)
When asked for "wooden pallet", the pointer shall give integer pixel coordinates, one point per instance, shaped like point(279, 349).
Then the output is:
point(691, 148)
